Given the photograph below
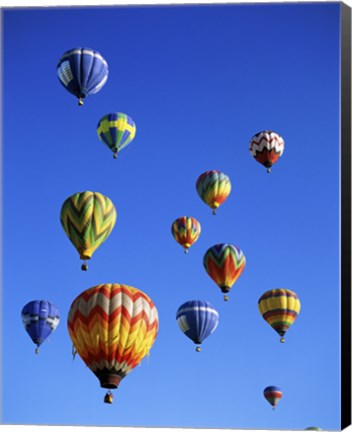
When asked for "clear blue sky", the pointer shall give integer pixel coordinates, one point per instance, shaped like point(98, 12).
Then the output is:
point(199, 82)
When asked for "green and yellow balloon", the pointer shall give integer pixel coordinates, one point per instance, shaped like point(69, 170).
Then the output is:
point(116, 130)
point(87, 218)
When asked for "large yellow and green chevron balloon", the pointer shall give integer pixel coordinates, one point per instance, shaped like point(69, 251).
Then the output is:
point(213, 187)
point(186, 231)
point(224, 263)
point(112, 328)
point(87, 218)
point(279, 307)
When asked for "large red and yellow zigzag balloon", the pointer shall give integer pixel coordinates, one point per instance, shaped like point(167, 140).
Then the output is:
point(112, 328)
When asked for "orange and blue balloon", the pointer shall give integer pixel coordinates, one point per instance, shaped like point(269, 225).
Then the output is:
point(40, 318)
point(186, 231)
point(224, 263)
point(280, 308)
point(197, 319)
point(213, 187)
point(116, 130)
point(83, 72)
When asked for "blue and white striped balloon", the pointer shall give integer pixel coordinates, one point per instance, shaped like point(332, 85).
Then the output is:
point(40, 318)
point(197, 319)
point(82, 71)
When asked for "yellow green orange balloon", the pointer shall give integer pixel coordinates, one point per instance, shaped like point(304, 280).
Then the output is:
point(279, 307)
point(213, 187)
point(112, 327)
point(87, 218)
point(116, 130)
point(224, 263)
point(186, 231)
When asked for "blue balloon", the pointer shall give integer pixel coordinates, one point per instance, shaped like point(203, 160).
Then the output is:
point(40, 318)
point(197, 319)
point(82, 71)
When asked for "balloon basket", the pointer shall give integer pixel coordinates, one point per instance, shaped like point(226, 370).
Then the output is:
point(282, 340)
point(198, 349)
point(108, 398)
point(84, 266)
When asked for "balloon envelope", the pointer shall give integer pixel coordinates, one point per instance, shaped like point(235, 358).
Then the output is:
point(279, 307)
point(197, 319)
point(266, 147)
point(40, 318)
point(112, 327)
point(213, 187)
point(272, 394)
point(87, 218)
point(116, 130)
point(82, 71)
point(224, 263)
point(186, 231)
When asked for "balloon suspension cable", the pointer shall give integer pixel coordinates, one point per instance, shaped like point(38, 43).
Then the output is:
point(80, 102)
point(37, 350)
point(282, 340)
point(84, 266)
point(198, 349)
point(226, 297)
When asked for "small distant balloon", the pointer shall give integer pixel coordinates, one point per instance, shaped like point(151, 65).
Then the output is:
point(116, 130)
point(224, 263)
point(272, 394)
point(186, 231)
point(40, 318)
point(83, 72)
point(267, 147)
point(197, 319)
point(279, 307)
point(213, 187)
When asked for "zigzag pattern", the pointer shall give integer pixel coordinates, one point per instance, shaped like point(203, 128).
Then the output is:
point(87, 218)
point(279, 308)
point(224, 263)
point(266, 140)
point(213, 187)
point(112, 327)
point(186, 231)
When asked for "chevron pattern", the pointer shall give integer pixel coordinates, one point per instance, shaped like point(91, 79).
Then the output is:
point(116, 130)
point(224, 263)
point(266, 147)
point(186, 231)
point(279, 307)
point(88, 218)
point(112, 328)
point(213, 187)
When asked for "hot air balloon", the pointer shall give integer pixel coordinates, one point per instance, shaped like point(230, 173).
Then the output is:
point(116, 130)
point(186, 231)
point(87, 218)
point(112, 328)
point(272, 394)
point(213, 187)
point(279, 307)
point(224, 263)
point(197, 319)
point(40, 318)
point(266, 147)
point(82, 71)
